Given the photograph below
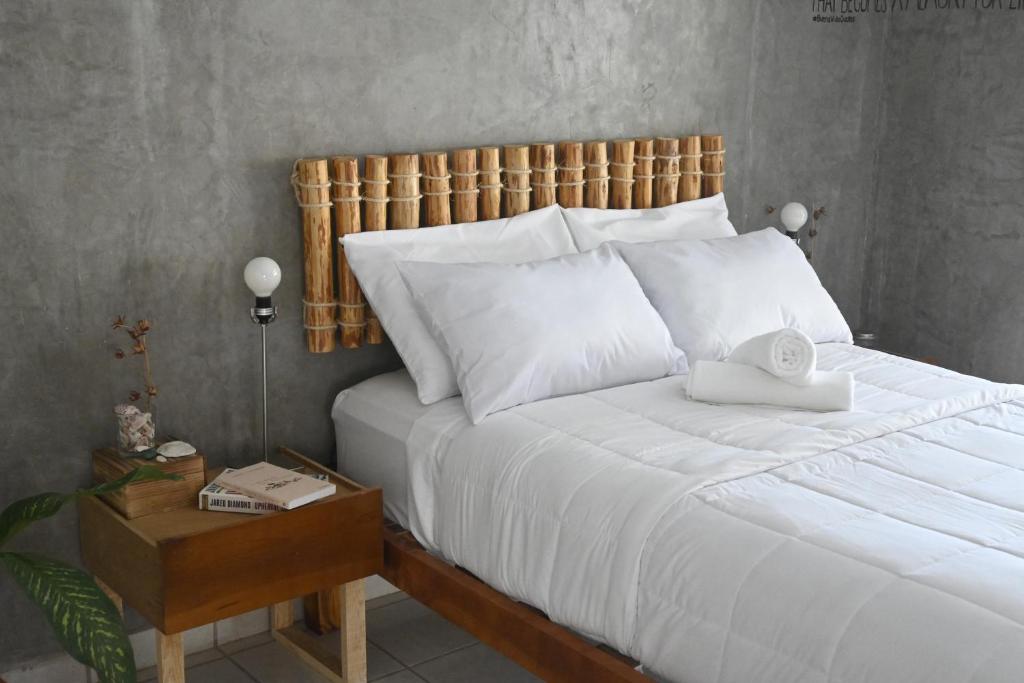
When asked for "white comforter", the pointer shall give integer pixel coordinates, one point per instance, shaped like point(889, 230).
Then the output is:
point(738, 543)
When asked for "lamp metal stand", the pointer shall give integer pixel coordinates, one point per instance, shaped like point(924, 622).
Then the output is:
point(263, 313)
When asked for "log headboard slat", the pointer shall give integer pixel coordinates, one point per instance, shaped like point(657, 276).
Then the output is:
point(621, 172)
point(595, 162)
point(542, 178)
point(643, 189)
point(405, 191)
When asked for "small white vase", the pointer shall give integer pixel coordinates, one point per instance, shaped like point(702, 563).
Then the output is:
point(135, 429)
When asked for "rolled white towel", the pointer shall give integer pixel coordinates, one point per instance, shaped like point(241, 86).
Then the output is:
point(787, 353)
point(715, 382)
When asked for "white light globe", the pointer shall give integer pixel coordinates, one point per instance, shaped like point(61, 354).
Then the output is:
point(262, 276)
point(793, 216)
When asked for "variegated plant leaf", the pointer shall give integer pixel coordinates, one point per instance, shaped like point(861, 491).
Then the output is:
point(83, 618)
point(21, 513)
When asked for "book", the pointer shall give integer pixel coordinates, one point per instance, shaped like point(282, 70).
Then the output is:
point(216, 497)
point(272, 484)
point(219, 498)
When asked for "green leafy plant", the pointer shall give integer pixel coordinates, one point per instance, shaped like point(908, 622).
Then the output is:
point(84, 619)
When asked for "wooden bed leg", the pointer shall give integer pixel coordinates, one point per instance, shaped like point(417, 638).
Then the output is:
point(170, 658)
point(353, 631)
point(281, 615)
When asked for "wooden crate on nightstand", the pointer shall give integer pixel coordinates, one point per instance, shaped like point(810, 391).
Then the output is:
point(150, 497)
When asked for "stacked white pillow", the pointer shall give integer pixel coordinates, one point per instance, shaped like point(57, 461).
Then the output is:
point(521, 333)
point(530, 236)
point(699, 219)
point(508, 311)
point(716, 294)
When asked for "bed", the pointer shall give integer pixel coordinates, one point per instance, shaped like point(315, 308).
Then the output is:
point(691, 541)
point(733, 543)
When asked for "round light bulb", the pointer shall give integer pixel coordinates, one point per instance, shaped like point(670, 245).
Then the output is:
point(793, 216)
point(262, 276)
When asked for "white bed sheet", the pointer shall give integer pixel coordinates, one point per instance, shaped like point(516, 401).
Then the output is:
point(372, 421)
point(743, 543)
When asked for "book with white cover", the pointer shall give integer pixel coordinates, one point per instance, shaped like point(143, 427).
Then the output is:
point(272, 484)
point(218, 498)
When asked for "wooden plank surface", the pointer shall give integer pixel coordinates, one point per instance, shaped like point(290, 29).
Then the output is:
point(127, 562)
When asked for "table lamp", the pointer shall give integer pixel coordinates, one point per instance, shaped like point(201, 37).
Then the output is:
point(262, 276)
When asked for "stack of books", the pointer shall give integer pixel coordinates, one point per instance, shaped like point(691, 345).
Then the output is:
point(262, 488)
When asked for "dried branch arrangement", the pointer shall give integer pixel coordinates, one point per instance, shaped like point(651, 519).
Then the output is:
point(138, 333)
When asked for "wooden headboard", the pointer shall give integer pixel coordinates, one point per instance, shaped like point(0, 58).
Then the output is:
point(402, 191)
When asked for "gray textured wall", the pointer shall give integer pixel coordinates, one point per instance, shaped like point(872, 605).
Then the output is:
point(946, 271)
point(146, 147)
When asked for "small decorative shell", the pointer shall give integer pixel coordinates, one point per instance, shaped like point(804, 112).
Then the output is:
point(176, 449)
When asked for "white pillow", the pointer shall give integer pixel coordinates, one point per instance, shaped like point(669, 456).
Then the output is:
point(521, 333)
point(716, 294)
point(699, 219)
point(530, 236)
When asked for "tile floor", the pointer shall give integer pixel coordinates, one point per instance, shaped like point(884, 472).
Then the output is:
point(407, 643)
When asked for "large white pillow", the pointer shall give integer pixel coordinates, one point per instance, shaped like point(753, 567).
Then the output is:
point(716, 294)
point(530, 236)
point(699, 219)
point(521, 333)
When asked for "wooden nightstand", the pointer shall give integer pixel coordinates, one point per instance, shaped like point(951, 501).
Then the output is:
point(186, 568)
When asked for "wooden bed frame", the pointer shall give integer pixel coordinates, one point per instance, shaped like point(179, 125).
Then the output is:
point(518, 631)
point(404, 191)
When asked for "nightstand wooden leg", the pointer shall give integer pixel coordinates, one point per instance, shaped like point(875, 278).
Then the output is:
point(353, 631)
point(170, 658)
point(350, 667)
point(281, 615)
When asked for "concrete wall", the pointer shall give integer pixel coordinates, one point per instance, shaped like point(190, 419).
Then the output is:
point(146, 147)
point(946, 271)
